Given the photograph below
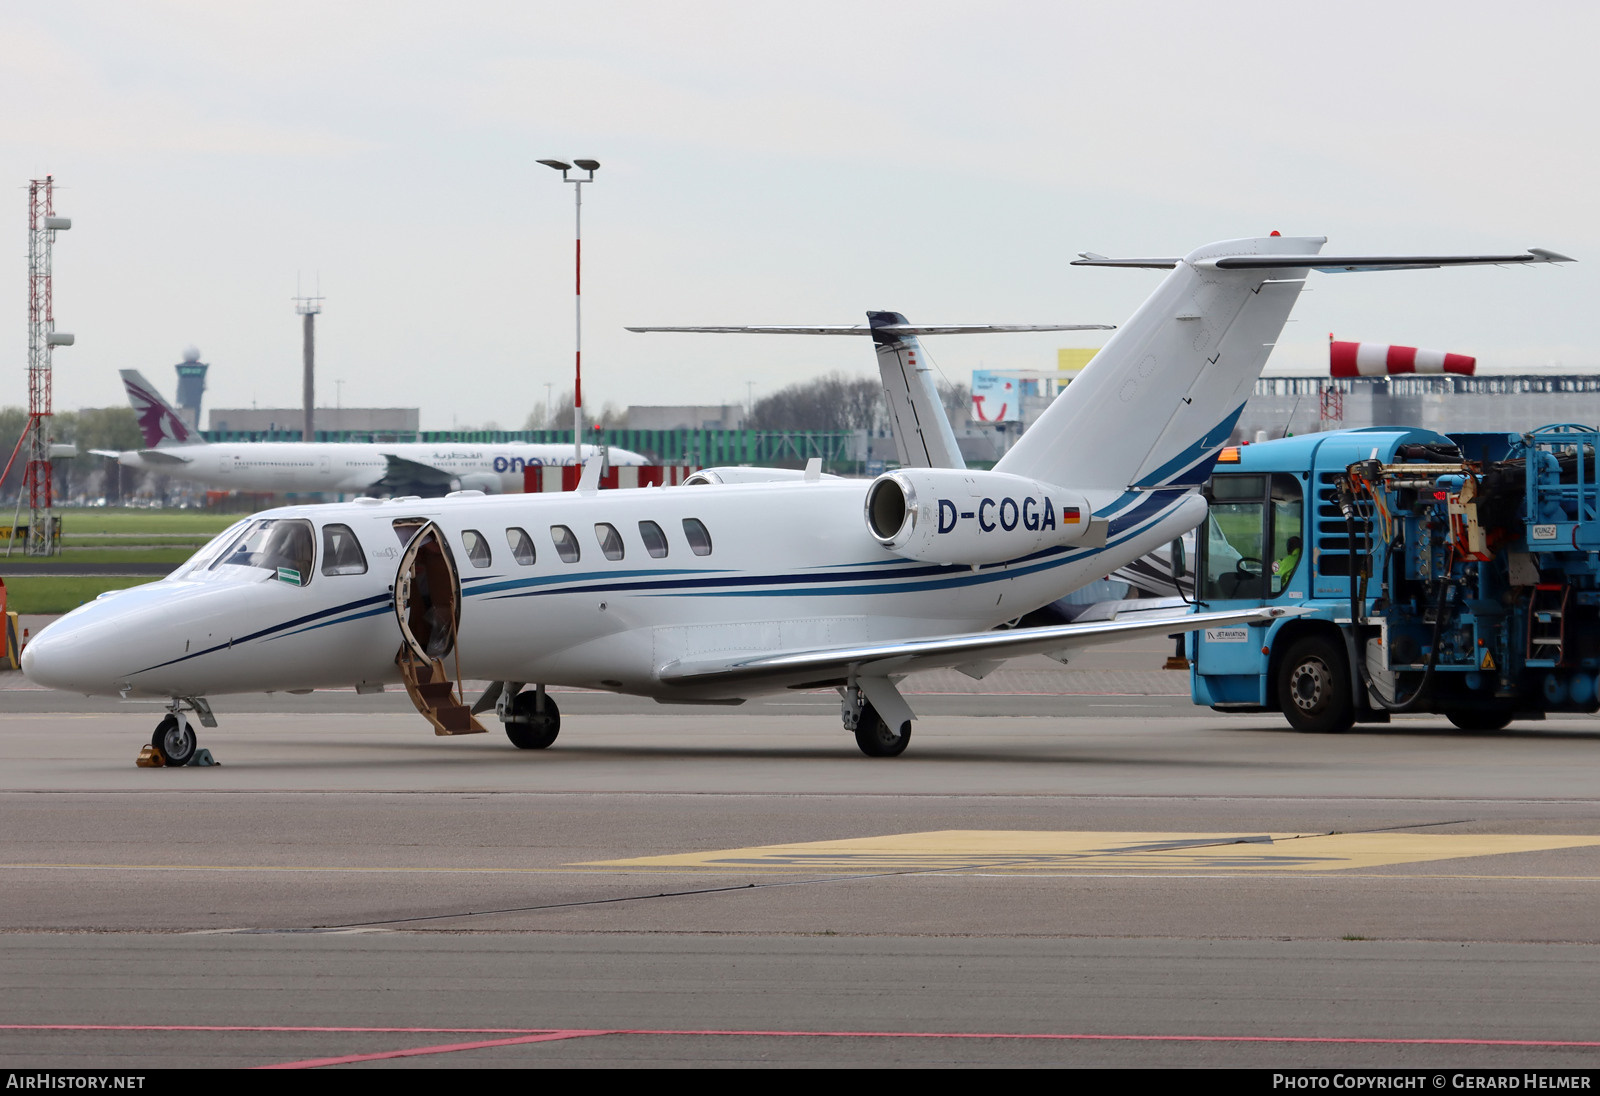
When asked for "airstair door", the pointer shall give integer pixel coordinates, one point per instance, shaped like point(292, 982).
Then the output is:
point(427, 607)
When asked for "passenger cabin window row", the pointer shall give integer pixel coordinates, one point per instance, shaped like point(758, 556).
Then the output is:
point(607, 536)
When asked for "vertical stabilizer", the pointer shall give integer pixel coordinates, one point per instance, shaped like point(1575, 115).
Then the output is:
point(917, 416)
point(1155, 406)
point(160, 425)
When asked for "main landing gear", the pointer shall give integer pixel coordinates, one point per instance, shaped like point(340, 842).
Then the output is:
point(532, 720)
point(875, 735)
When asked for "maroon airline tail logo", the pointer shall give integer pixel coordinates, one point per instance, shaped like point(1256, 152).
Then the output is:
point(157, 422)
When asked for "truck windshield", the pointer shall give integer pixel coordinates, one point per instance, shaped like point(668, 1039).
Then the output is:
point(1253, 536)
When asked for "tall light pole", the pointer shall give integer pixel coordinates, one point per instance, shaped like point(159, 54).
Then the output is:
point(591, 166)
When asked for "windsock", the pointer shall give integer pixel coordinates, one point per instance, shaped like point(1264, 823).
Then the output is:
point(1353, 359)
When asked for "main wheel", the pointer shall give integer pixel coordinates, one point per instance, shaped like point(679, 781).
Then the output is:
point(1479, 719)
point(174, 741)
point(1314, 687)
point(538, 731)
point(875, 737)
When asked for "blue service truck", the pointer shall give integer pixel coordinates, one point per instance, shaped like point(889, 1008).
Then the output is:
point(1452, 574)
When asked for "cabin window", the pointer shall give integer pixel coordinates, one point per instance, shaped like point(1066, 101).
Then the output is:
point(281, 545)
point(655, 541)
point(341, 552)
point(521, 546)
point(699, 537)
point(477, 546)
point(610, 540)
point(566, 543)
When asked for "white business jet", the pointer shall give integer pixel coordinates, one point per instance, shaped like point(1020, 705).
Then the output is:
point(714, 596)
point(416, 468)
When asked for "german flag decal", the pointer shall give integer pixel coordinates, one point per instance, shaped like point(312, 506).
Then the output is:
point(1069, 515)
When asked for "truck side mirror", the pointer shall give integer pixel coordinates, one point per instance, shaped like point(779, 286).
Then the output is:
point(1180, 565)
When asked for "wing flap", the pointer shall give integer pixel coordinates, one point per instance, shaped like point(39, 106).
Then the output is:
point(908, 656)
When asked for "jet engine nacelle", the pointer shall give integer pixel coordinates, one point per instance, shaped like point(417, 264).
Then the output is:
point(948, 515)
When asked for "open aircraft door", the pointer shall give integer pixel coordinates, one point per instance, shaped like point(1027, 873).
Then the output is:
point(427, 607)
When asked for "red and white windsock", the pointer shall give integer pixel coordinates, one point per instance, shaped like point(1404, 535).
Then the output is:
point(1363, 359)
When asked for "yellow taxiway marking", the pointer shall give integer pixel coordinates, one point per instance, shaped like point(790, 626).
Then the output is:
point(1045, 851)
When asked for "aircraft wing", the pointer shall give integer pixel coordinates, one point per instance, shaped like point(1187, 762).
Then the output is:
point(402, 474)
point(828, 664)
point(112, 453)
point(888, 329)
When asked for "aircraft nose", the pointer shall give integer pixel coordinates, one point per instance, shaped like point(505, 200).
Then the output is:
point(65, 658)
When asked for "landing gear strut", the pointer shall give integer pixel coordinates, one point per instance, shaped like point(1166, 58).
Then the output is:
point(532, 720)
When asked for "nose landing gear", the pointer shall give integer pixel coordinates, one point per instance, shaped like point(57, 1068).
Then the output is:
point(174, 738)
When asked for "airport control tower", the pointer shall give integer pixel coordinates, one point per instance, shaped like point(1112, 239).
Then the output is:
point(191, 386)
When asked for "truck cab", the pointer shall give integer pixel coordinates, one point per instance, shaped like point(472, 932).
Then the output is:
point(1411, 551)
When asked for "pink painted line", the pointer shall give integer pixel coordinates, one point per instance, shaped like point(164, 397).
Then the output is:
point(445, 1048)
point(283, 1028)
point(537, 1035)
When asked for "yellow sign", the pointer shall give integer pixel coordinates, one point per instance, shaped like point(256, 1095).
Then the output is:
point(1073, 852)
point(1071, 359)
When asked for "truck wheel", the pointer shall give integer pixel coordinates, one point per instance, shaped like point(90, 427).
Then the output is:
point(1476, 719)
point(1314, 687)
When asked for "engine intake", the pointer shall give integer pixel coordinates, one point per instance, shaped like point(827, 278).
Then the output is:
point(948, 515)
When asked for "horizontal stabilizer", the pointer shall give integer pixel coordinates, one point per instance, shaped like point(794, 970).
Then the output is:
point(162, 456)
point(908, 656)
point(112, 453)
point(1334, 264)
point(1089, 258)
point(888, 329)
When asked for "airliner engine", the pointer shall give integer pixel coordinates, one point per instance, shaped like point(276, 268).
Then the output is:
point(948, 515)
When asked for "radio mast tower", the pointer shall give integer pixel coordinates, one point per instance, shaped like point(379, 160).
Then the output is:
point(310, 308)
point(43, 338)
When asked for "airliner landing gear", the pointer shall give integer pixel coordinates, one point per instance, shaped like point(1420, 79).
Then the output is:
point(532, 720)
point(175, 740)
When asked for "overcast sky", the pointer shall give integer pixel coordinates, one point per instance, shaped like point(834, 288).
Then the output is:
point(768, 163)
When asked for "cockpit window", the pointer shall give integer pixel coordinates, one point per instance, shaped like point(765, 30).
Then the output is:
point(280, 545)
point(698, 535)
point(566, 544)
point(610, 540)
point(521, 546)
point(211, 549)
point(477, 547)
point(341, 552)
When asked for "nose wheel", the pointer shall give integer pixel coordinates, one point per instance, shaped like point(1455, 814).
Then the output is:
point(175, 741)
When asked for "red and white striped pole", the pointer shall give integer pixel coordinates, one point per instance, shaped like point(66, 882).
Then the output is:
point(591, 166)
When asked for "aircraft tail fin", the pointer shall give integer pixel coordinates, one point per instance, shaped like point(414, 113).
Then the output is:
point(1157, 403)
point(917, 416)
point(158, 422)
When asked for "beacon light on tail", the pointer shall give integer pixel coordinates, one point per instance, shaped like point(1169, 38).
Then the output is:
point(1364, 359)
point(949, 515)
